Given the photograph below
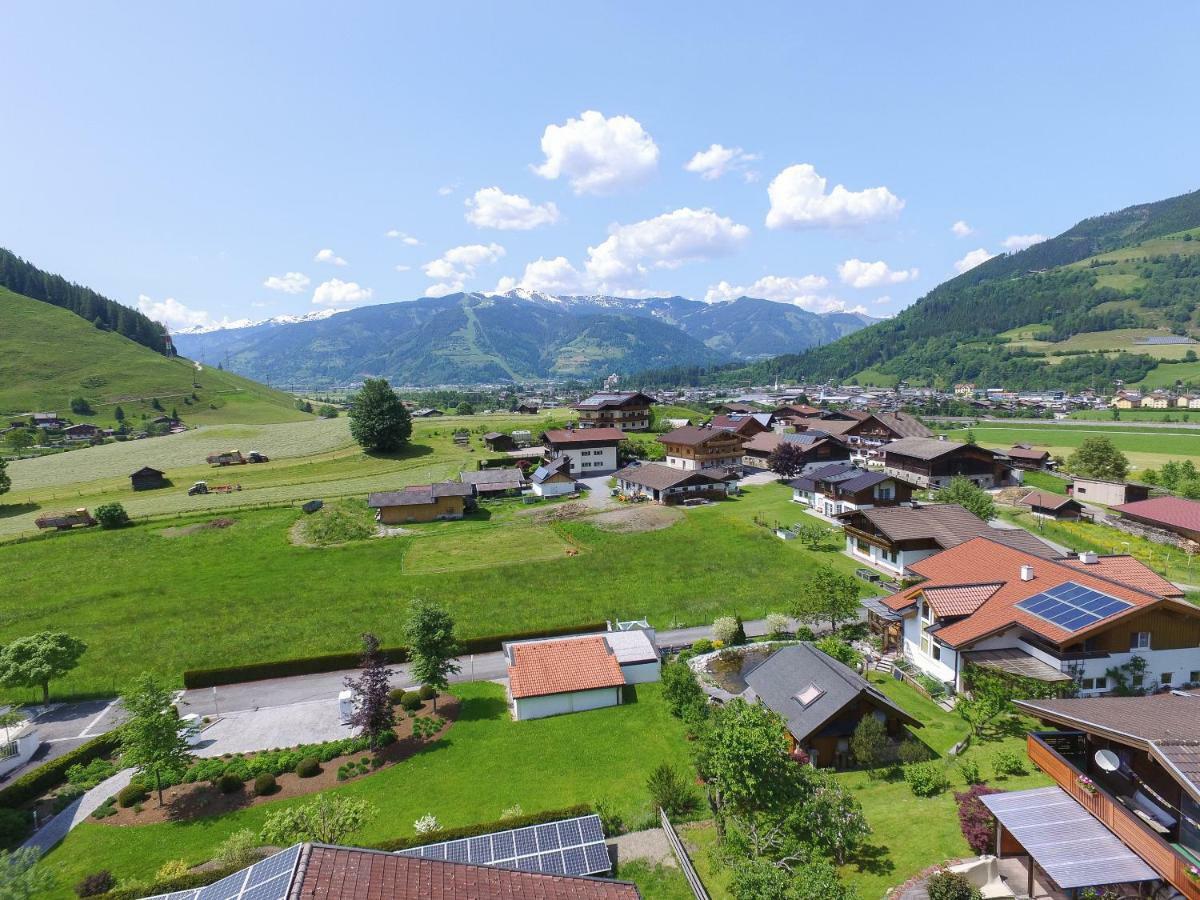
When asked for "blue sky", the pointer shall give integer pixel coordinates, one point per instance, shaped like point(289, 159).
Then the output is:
point(197, 158)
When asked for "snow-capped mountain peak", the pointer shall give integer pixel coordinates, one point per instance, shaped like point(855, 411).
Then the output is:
point(234, 324)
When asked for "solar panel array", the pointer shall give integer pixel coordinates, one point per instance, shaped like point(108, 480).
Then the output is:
point(568, 847)
point(1072, 606)
point(266, 880)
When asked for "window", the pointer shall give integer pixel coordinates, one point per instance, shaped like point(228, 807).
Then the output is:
point(937, 650)
point(885, 492)
point(1166, 678)
point(1139, 640)
point(1093, 684)
point(1194, 677)
point(891, 556)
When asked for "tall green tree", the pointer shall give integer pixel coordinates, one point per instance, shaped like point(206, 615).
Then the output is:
point(378, 420)
point(827, 595)
point(154, 740)
point(1098, 457)
point(969, 496)
point(432, 647)
point(37, 659)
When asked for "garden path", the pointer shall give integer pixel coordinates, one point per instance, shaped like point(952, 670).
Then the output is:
point(56, 829)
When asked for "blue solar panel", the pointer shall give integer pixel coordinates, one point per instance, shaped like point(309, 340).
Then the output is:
point(528, 864)
point(227, 887)
point(273, 889)
point(552, 863)
point(575, 861)
point(273, 866)
point(568, 832)
point(503, 845)
point(597, 858)
point(436, 851)
point(456, 851)
point(591, 829)
point(526, 840)
point(1072, 606)
point(547, 836)
point(481, 849)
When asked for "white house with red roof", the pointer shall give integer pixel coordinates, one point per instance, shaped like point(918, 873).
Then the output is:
point(995, 606)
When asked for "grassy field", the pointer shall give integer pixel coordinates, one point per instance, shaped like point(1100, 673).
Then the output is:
point(1147, 449)
point(149, 597)
point(1046, 482)
point(1130, 417)
point(909, 833)
point(484, 764)
point(1118, 339)
point(49, 355)
point(1166, 376)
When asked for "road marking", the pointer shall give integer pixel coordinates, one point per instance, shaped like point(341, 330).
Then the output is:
point(96, 721)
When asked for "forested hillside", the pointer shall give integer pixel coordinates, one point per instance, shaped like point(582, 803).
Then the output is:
point(1136, 270)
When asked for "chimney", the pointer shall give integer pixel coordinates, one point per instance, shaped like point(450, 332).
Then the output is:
point(1088, 557)
point(1027, 573)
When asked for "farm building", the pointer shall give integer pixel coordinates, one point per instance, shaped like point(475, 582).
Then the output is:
point(1174, 515)
point(490, 483)
point(422, 503)
point(529, 408)
point(426, 413)
point(82, 432)
point(46, 420)
point(1109, 493)
point(592, 451)
point(1051, 506)
point(553, 479)
point(549, 678)
point(1025, 457)
point(498, 442)
point(934, 462)
point(822, 702)
point(146, 479)
point(668, 485)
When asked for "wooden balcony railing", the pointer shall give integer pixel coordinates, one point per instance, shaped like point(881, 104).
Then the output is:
point(1156, 852)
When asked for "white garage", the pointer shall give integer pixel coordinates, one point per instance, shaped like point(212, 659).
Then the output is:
point(552, 677)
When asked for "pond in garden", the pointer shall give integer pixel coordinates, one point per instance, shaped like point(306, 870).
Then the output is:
point(729, 668)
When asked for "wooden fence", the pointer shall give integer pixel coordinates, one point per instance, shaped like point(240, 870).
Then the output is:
point(685, 862)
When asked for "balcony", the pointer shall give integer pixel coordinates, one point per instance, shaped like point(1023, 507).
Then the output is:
point(1049, 751)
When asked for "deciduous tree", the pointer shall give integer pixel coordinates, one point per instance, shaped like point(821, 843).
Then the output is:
point(432, 647)
point(373, 715)
point(5, 479)
point(154, 740)
point(37, 659)
point(786, 460)
point(827, 595)
point(378, 420)
point(1098, 457)
point(969, 496)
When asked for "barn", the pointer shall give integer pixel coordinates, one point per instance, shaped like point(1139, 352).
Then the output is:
point(147, 479)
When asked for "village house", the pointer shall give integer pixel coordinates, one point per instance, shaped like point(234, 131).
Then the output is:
point(493, 483)
point(989, 604)
point(553, 478)
point(734, 406)
point(1173, 515)
point(82, 432)
point(1051, 506)
point(592, 451)
point(669, 485)
point(935, 462)
point(1127, 400)
point(146, 479)
point(822, 701)
point(843, 487)
point(1025, 457)
point(46, 420)
point(498, 442)
point(893, 538)
point(702, 447)
point(815, 447)
point(422, 503)
point(625, 410)
point(529, 408)
point(1107, 493)
point(745, 424)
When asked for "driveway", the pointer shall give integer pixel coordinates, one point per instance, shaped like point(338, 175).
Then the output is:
point(247, 730)
point(64, 726)
point(597, 497)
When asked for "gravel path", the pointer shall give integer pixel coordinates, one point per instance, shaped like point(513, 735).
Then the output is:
point(650, 845)
point(56, 829)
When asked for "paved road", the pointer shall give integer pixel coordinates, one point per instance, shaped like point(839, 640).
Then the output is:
point(1066, 423)
point(64, 726)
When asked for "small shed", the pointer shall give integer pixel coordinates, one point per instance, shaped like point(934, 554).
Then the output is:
point(1051, 506)
point(549, 678)
point(147, 479)
point(498, 442)
point(553, 478)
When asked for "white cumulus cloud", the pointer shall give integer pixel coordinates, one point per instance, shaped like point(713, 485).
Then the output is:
point(1015, 242)
point(714, 162)
point(799, 200)
point(458, 264)
point(328, 256)
point(972, 259)
point(549, 276)
point(336, 292)
point(664, 242)
point(804, 291)
point(492, 208)
point(861, 274)
point(289, 283)
point(598, 155)
point(962, 229)
point(172, 313)
point(402, 237)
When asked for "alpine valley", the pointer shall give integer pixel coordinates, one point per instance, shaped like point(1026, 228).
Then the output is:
point(467, 338)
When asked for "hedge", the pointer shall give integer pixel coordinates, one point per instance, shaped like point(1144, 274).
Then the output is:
point(46, 777)
point(333, 662)
point(183, 883)
point(454, 834)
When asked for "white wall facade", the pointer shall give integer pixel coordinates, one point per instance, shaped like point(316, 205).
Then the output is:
point(587, 461)
point(559, 704)
point(553, 489)
point(642, 673)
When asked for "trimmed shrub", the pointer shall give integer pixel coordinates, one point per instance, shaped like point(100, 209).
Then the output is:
point(46, 777)
point(229, 783)
point(112, 515)
point(670, 790)
point(926, 779)
point(804, 633)
point(427, 692)
point(264, 785)
point(14, 827)
point(1005, 763)
point(913, 751)
point(702, 646)
point(396, 695)
point(970, 772)
point(951, 886)
point(97, 883)
point(411, 701)
point(975, 820)
point(172, 869)
point(309, 767)
point(131, 794)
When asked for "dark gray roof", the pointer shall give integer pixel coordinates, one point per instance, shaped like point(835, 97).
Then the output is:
point(494, 479)
point(791, 670)
point(658, 476)
point(949, 525)
point(549, 470)
point(420, 494)
point(925, 447)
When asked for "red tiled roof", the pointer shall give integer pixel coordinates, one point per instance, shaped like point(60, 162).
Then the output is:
point(344, 873)
point(982, 561)
point(556, 667)
point(583, 435)
point(959, 599)
point(1170, 512)
point(1127, 570)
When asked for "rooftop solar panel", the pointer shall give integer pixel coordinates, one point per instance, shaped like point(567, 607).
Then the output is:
point(1072, 606)
point(547, 837)
point(568, 832)
point(571, 847)
point(597, 857)
point(481, 849)
point(575, 861)
point(456, 851)
point(526, 839)
point(269, 879)
point(591, 829)
point(503, 845)
point(552, 863)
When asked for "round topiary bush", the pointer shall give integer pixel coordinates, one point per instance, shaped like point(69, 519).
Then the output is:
point(229, 783)
point(308, 767)
point(951, 886)
point(396, 695)
point(411, 701)
point(97, 883)
point(265, 784)
point(131, 794)
point(427, 692)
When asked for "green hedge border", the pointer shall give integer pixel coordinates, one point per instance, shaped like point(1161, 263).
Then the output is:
point(467, 831)
point(49, 775)
point(333, 662)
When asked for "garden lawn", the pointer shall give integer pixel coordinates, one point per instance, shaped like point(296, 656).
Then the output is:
point(1043, 481)
point(485, 764)
point(242, 594)
point(656, 881)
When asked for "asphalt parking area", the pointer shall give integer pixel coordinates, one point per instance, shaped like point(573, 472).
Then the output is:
point(267, 728)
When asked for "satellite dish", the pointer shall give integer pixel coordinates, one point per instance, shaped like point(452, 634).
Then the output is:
point(1107, 761)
